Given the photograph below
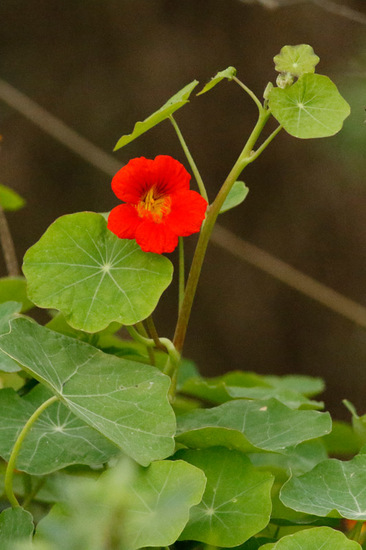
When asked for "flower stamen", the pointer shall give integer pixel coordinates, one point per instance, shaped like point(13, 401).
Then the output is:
point(154, 205)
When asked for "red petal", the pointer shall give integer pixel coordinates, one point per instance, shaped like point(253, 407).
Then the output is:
point(170, 175)
point(133, 180)
point(123, 221)
point(187, 213)
point(156, 237)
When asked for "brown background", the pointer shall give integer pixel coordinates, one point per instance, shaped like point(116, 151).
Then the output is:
point(100, 65)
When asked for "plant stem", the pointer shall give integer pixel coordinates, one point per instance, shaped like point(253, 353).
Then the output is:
point(211, 216)
point(192, 164)
point(181, 282)
point(8, 247)
point(17, 446)
point(249, 92)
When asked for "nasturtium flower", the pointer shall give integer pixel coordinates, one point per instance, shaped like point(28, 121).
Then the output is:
point(159, 206)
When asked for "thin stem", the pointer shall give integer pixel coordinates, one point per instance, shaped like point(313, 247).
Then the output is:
point(8, 247)
point(260, 149)
point(141, 329)
point(211, 216)
point(17, 446)
point(181, 282)
point(154, 333)
point(167, 344)
point(197, 175)
point(250, 93)
point(34, 492)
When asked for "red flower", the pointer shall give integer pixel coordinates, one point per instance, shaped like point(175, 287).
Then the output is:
point(159, 207)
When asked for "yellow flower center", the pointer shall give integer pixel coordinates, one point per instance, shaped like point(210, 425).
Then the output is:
point(154, 205)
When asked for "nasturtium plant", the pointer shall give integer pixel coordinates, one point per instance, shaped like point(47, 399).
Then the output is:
point(9, 199)
point(110, 438)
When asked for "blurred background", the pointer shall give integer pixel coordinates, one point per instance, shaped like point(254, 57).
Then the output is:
point(101, 65)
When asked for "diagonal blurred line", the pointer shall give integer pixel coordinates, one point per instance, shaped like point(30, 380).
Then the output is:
point(221, 237)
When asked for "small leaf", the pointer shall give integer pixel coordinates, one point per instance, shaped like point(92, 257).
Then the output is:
point(332, 486)
point(250, 426)
point(358, 422)
point(57, 439)
point(125, 401)
point(14, 289)
point(82, 269)
point(160, 500)
point(9, 199)
point(228, 73)
point(236, 196)
point(323, 538)
point(296, 60)
point(16, 526)
point(237, 501)
point(310, 108)
point(172, 105)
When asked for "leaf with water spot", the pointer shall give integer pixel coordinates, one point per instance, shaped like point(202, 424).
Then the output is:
point(236, 503)
point(57, 439)
point(160, 500)
point(82, 269)
point(333, 487)
point(125, 401)
point(177, 101)
point(251, 426)
point(310, 108)
point(323, 538)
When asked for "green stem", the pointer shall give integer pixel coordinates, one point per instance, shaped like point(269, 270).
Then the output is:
point(250, 93)
point(8, 247)
point(17, 446)
point(211, 216)
point(182, 282)
point(141, 329)
point(167, 344)
point(192, 164)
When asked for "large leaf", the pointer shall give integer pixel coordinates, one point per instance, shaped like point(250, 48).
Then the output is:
point(247, 385)
point(16, 525)
point(237, 501)
point(250, 426)
point(57, 439)
point(125, 401)
point(160, 500)
point(296, 60)
point(81, 268)
point(228, 73)
point(9, 199)
point(322, 538)
point(331, 487)
point(172, 105)
point(310, 108)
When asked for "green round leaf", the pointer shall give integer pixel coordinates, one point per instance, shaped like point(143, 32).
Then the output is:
point(228, 73)
point(173, 104)
point(311, 108)
point(160, 500)
point(9, 199)
point(331, 487)
point(82, 269)
point(236, 503)
point(323, 538)
point(296, 60)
